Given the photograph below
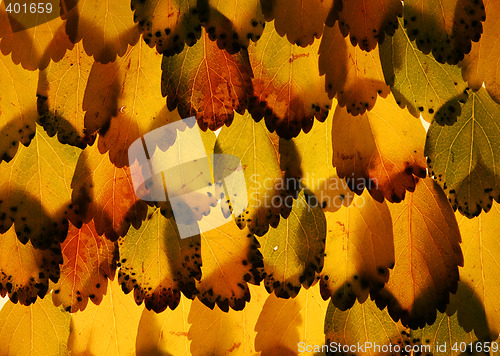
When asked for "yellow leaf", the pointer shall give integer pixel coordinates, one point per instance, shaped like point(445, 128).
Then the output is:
point(35, 190)
point(482, 64)
point(288, 89)
point(35, 47)
point(40, 329)
point(230, 260)
point(381, 150)
point(477, 295)
point(300, 21)
point(359, 251)
point(24, 270)
point(105, 26)
point(17, 107)
point(353, 75)
point(427, 245)
point(60, 94)
point(107, 329)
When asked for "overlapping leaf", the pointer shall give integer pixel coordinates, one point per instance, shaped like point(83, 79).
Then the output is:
point(257, 150)
point(232, 23)
point(89, 260)
point(288, 89)
point(476, 298)
point(34, 47)
point(351, 74)
point(367, 22)
point(40, 329)
point(123, 99)
point(359, 251)
point(17, 107)
point(105, 27)
point(300, 21)
point(24, 270)
point(109, 328)
point(60, 93)
point(35, 190)
point(306, 160)
point(293, 251)
point(464, 158)
point(381, 150)
point(230, 260)
point(445, 27)
point(427, 241)
point(208, 82)
point(157, 264)
point(483, 62)
point(363, 324)
point(419, 82)
point(168, 25)
point(104, 193)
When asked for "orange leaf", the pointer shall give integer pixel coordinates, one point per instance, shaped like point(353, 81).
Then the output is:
point(208, 82)
point(89, 260)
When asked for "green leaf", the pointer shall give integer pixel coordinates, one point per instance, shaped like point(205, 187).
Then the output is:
point(257, 150)
point(35, 190)
point(465, 158)
point(419, 82)
point(445, 27)
point(293, 251)
point(157, 264)
point(40, 329)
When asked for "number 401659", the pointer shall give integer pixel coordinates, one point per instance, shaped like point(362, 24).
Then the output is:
point(33, 8)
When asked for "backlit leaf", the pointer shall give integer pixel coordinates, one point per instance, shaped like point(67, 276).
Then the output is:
point(89, 260)
point(359, 251)
point(105, 26)
point(60, 93)
point(286, 326)
point(168, 25)
point(35, 190)
point(109, 328)
point(364, 324)
point(419, 82)
point(464, 158)
point(445, 27)
point(40, 329)
point(104, 193)
point(17, 107)
point(307, 162)
point(368, 21)
point(300, 21)
point(381, 150)
point(214, 332)
point(427, 245)
point(477, 295)
point(482, 64)
point(208, 82)
point(24, 270)
point(257, 150)
point(157, 264)
point(233, 23)
point(293, 251)
point(165, 333)
point(353, 75)
point(230, 260)
point(124, 100)
point(34, 47)
point(288, 89)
